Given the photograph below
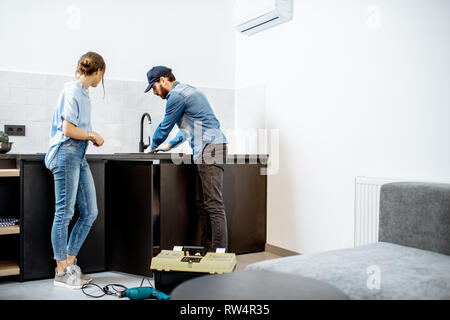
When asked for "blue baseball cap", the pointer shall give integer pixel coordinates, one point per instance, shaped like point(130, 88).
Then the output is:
point(155, 73)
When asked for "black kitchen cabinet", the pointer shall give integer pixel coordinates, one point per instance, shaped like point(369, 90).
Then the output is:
point(37, 212)
point(129, 220)
point(179, 221)
point(9, 235)
point(244, 194)
point(143, 206)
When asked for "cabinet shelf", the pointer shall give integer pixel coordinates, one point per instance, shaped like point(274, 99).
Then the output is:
point(9, 268)
point(10, 230)
point(9, 172)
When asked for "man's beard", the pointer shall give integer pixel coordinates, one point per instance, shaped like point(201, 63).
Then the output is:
point(164, 93)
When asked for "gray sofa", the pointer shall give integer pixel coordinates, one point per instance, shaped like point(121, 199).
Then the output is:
point(410, 261)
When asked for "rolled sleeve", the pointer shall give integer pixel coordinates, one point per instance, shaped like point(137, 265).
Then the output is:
point(179, 138)
point(71, 110)
point(174, 111)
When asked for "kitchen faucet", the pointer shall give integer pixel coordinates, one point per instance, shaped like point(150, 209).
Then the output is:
point(143, 146)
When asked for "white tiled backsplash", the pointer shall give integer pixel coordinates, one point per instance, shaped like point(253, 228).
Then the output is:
point(29, 99)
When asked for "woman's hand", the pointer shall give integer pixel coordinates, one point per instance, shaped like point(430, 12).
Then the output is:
point(97, 140)
point(72, 131)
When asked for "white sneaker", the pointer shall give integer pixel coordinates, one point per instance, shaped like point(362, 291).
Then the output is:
point(69, 279)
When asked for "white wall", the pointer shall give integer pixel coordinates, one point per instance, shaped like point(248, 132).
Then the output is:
point(195, 37)
point(355, 88)
point(41, 42)
point(29, 99)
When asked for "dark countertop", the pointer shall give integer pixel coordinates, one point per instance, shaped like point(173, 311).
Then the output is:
point(178, 158)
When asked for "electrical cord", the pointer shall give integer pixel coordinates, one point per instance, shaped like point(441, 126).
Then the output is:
point(110, 289)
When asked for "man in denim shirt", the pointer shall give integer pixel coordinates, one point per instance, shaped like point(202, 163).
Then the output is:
point(190, 110)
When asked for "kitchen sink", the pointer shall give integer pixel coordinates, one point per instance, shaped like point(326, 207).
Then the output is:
point(139, 153)
point(142, 153)
point(156, 156)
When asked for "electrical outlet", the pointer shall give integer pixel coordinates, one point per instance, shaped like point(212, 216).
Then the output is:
point(14, 130)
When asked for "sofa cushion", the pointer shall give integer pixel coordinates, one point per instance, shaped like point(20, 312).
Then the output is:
point(403, 272)
point(416, 214)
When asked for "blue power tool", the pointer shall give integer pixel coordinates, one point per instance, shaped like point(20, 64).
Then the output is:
point(140, 293)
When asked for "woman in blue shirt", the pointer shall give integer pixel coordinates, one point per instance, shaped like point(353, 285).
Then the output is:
point(70, 132)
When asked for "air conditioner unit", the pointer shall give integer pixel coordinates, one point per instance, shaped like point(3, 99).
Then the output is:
point(252, 16)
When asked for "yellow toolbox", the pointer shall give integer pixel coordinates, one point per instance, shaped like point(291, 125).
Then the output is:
point(171, 267)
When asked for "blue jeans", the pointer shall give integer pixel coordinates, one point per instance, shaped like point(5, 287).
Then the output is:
point(73, 183)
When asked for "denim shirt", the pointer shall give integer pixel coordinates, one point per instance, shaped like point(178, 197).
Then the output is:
point(190, 110)
point(74, 106)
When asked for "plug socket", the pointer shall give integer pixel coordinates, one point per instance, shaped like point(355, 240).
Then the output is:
point(14, 130)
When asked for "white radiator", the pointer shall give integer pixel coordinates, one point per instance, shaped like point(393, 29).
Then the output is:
point(367, 209)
